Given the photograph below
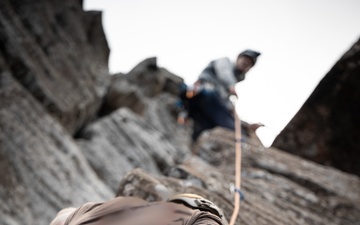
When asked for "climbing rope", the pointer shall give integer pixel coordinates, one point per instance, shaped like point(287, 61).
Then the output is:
point(237, 166)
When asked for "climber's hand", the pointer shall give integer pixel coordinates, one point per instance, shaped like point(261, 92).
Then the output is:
point(232, 91)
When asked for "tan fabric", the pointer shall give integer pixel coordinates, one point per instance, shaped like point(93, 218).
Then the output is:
point(135, 211)
point(62, 216)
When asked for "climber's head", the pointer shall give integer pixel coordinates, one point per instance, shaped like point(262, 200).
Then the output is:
point(246, 60)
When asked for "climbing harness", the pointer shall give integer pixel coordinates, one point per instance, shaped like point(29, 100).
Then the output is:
point(237, 165)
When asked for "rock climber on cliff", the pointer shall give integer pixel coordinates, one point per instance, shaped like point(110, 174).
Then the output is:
point(183, 209)
point(207, 101)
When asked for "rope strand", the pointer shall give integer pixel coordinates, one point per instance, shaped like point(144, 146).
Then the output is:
point(237, 167)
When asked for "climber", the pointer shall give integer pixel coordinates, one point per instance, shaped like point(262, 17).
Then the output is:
point(207, 101)
point(189, 209)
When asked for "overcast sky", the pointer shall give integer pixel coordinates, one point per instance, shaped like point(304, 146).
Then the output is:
point(299, 40)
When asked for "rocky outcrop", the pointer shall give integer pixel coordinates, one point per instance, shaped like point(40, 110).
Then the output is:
point(143, 132)
point(326, 129)
point(123, 141)
point(278, 187)
point(122, 93)
point(52, 80)
point(145, 81)
point(153, 80)
point(42, 168)
point(57, 52)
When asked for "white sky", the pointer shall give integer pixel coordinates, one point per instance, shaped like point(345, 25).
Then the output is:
point(299, 40)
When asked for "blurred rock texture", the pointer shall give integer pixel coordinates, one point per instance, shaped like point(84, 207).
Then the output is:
point(327, 127)
point(58, 53)
point(70, 133)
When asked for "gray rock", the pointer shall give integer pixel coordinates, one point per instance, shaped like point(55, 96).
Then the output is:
point(153, 80)
point(59, 55)
point(122, 141)
point(122, 93)
point(162, 115)
point(325, 130)
point(42, 168)
point(290, 189)
point(279, 188)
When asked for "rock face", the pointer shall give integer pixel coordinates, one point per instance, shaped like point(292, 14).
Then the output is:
point(60, 55)
point(326, 129)
point(143, 133)
point(52, 81)
point(145, 81)
point(68, 135)
point(278, 187)
point(42, 168)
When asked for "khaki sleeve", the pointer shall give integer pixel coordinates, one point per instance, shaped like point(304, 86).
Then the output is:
point(205, 218)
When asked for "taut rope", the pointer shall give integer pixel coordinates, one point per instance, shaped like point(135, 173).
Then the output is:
point(237, 167)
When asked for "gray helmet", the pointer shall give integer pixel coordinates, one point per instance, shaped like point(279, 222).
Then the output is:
point(251, 54)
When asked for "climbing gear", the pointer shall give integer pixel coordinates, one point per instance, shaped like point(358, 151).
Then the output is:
point(232, 189)
point(198, 202)
point(237, 164)
point(242, 197)
point(182, 116)
point(181, 112)
point(186, 93)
